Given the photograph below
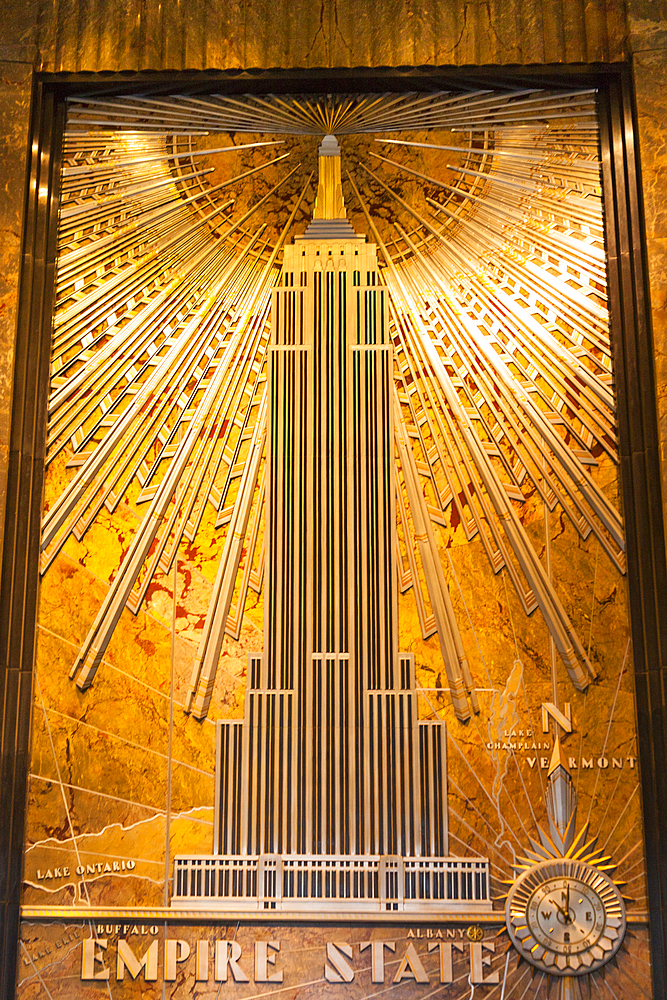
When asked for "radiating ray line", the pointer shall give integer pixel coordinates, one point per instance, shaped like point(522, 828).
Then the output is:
point(347, 114)
point(501, 985)
point(95, 853)
point(611, 719)
point(632, 979)
point(50, 970)
point(122, 739)
point(605, 983)
point(117, 798)
point(476, 835)
point(137, 680)
point(59, 781)
point(484, 789)
point(632, 868)
point(485, 820)
point(638, 843)
point(521, 779)
point(620, 815)
point(37, 972)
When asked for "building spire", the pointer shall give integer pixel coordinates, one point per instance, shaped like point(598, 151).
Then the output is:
point(329, 203)
point(329, 215)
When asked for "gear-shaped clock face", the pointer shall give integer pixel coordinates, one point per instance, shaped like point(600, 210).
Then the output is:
point(565, 917)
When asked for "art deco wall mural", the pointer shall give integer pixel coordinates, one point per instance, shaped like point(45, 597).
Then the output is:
point(333, 692)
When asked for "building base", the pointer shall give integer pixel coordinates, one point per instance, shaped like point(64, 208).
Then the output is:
point(350, 884)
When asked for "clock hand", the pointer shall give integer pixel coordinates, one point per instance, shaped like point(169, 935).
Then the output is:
point(567, 919)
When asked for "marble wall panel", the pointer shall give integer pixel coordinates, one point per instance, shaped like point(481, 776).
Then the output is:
point(213, 34)
point(647, 25)
point(650, 75)
point(15, 90)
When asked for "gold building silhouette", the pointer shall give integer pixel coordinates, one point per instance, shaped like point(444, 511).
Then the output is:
point(330, 788)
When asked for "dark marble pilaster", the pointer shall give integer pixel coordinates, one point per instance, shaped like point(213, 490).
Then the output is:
point(15, 99)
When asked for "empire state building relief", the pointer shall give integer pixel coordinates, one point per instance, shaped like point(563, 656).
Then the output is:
point(330, 787)
point(333, 617)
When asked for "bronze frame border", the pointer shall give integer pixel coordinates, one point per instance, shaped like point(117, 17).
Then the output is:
point(632, 342)
point(638, 426)
point(20, 559)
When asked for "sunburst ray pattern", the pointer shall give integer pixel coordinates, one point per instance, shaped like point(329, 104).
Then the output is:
point(340, 114)
point(498, 312)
